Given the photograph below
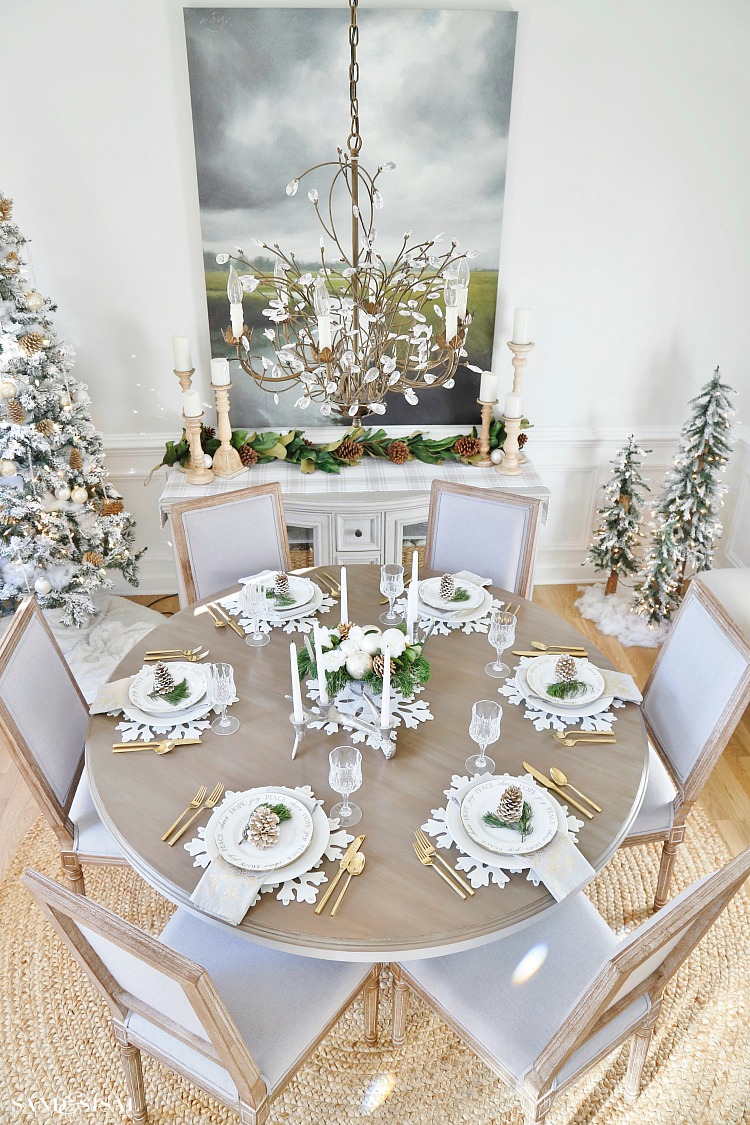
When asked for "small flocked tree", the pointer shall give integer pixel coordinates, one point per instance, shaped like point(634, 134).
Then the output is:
point(615, 542)
point(62, 525)
point(658, 595)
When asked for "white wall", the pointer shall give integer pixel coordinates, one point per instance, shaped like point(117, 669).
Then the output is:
point(626, 227)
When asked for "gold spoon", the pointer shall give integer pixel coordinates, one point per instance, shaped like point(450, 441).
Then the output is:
point(355, 866)
point(559, 777)
point(572, 649)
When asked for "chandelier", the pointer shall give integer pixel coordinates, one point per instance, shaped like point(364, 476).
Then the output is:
point(360, 327)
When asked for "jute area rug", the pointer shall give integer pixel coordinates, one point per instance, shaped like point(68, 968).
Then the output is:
point(59, 1063)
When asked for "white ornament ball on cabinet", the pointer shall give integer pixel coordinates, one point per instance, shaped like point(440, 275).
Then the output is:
point(34, 301)
point(208, 460)
point(42, 585)
point(7, 468)
point(79, 495)
point(62, 493)
point(496, 457)
point(8, 389)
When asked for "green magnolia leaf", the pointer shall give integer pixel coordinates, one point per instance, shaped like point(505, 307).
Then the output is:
point(278, 451)
point(307, 465)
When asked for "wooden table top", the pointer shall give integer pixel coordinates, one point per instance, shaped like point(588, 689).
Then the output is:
point(397, 910)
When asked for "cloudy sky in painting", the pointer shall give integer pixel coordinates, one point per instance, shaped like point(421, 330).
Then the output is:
point(270, 98)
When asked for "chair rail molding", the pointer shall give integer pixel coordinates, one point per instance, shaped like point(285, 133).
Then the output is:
point(572, 461)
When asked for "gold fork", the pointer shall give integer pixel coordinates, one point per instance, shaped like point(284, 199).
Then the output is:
point(427, 861)
point(333, 586)
point(429, 849)
point(209, 803)
point(194, 804)
point(194, 658)
point(177, 651)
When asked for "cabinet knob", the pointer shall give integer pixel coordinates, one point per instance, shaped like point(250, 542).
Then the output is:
point(358, 533)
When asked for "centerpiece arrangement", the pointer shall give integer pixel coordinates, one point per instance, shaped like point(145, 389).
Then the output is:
point(355, 654)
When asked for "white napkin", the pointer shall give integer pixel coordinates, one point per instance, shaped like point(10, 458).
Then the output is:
point(112, 696)
point(477, 579)
point(227, 891)
point(621, 685)
point(256, 577)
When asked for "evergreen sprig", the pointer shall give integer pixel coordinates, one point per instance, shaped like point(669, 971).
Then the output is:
point(567, 689)
point(522, 825)
point(176, 695)
point(461, 594)
point(281, 600)
point(283, 812)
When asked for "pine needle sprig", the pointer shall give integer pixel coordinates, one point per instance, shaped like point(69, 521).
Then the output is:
point(281, 600)
point(176, 695)
point(567, 689)
point(461, 595)
point(283, 812)
point(522, 825)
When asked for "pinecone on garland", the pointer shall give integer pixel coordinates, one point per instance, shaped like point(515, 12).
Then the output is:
point(447, 587)
point(93, 557)
point(378, 666)
point(32, 342)
point(264, 828)
point(281, 586)
point(209, 433)
point(16, 413)
point(248, 456)
point(511, 805)
point(466, 446)
point(75, 460)
point(112, 507)
point(566, 668)
point(45, 426)
point(350, 451)
point(398, 452)
point(163, 679)
point(522, 439)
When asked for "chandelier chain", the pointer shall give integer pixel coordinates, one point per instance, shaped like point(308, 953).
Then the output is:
point(354, 141)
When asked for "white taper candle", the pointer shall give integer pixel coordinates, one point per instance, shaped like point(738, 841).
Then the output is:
point(322, 687)
point(344, 596)
point(299, 714)
point(385, 710)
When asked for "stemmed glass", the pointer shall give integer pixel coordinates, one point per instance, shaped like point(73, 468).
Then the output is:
point(502, 635)
point(345, 777)
point(256, 606)
point(484, 728)
point(220, 680)
point(391, 587)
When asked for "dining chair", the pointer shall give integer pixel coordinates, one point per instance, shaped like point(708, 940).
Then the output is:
point(692, 702)
point(43, 719)
point(218, 539)
point(236, 1019)
point(545, 1004)
point(481, 529)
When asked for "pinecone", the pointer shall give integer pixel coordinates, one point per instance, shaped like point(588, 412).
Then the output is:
point(32, 342)
point(264, 828)
point(306, 441)
point(350, 450)
point(447, 587)
point(16, 412)
point(94, 558)
point(398, 452)
point(248, 456)
point(343, 629)
point(75, 460)
point(281, 586)
point(112, 507)
point(163, 679)
point(522, 439)
point(6, 206)
point(378, 665)
point(566, 667)
point(466, 446)
point(10, 264)
point(511, 805)
point(209, 433)
point(45, 426)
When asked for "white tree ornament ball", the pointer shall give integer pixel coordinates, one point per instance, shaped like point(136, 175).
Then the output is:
point(358, 664)
point(8, 389)
point(79, 495)
point(208, 460)
point(496, 457)
point(34, 301)
point(8, 468)
point(42, 585)
point(62, 493)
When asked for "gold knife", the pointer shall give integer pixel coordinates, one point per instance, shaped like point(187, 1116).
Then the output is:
point(551, 785)
point(353, 847)
point(124, 747)
point(218, 608)
point(535, 652)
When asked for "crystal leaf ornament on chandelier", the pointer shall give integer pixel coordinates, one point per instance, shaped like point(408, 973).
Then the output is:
point(362, 327)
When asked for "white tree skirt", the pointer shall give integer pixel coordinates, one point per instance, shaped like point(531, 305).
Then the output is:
point(614, 617)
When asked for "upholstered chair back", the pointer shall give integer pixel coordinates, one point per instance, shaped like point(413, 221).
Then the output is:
point(223, 538)
point(488, 532)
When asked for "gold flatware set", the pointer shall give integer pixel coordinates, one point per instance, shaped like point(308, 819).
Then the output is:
point(428, 856)
point(162, 747)
point(556, 788)
point(192, 655)
point(570, 738)
point(353, 863)
point(199, 802)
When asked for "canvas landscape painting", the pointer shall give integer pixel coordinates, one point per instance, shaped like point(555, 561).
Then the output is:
point(270, 99)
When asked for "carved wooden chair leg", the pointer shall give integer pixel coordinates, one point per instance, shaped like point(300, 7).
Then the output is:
point(666, 867)
point(372, 1001)
point(249, 1116)
point(131, 1065)
point(400, 1007)
point(73, 872)
point(639, 1046)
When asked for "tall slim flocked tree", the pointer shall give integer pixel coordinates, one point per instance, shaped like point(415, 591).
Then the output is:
point(62, 525)
point(615, 542)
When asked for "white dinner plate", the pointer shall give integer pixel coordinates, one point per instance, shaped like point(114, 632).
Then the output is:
point(295, 835)
point(582, 711)
point(540, 673)
point(450, 615)
point(143, 684)
point(484, 798)
point(165, 723)
point(429, 593)
point(287, 614)
point(316, 850)
point(301, 590)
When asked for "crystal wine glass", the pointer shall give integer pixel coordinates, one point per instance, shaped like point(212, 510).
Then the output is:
point(220, 680)
point(345, 777)
point(484, 728)
point(502, 635)
point(256, 607)
point(391, 587)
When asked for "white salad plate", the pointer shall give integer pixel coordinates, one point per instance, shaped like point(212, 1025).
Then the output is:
point(429, 593)
point(541, 673)
point(484, 798)
point(458, 616)
point(580, 711)
point(295, 835)
point(143, 684)
point(302, 590)
point(321, 834)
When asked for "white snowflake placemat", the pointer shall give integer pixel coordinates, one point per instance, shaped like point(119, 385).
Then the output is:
point(478, 873)
point(287, 624)
point(303, 888)
point(545, 720)
point(351, 704)
point(136, 726)
point(437, 626)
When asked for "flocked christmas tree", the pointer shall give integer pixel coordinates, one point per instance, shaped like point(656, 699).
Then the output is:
point(614, 546)
point(62, 526)
point(687, 512)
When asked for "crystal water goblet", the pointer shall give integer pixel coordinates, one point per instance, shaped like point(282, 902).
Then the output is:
point(501, 635)
point(256, 607)
point(484, 728)
point(345, 777)
point(391, 587)
point(220, 681)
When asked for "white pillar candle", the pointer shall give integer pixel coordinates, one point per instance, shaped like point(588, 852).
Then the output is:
point(181, 353)
point(488, 387)
point(513, 405)
point(191, 404)
point(220, 372)
point(344, 596)
point(299, 714)
point(322, 688)
point(451, 322)
point(522, 327)
point(385, 710)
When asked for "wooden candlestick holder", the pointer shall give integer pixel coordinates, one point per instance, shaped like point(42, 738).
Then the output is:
point(510, 464)
point(227, 461)
point(484, 436)
point(520, 355)
point(197, 472)
point(186, 378)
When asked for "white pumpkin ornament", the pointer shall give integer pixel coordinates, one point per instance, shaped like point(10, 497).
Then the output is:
point(42, 585)
point(358, 664)
point(208, 460)
point(79, 495)
point(7, 468)
point(496, 457)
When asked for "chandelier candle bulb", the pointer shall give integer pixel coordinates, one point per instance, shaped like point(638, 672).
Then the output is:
point(488, 387)
point(299, 715)
point(522, 326)
point(281, 290)
point(462, 277)
point(181, 353)
point(385, 710)
point(451, 309)
point(513, 406)
point(344, 597)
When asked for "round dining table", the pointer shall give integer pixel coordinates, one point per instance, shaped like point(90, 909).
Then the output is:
point(397, 910)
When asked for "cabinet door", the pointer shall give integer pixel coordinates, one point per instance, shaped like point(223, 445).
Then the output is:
point(310, 537)
point(405, 532)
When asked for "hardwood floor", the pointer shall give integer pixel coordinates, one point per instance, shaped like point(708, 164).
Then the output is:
point(726, 796)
